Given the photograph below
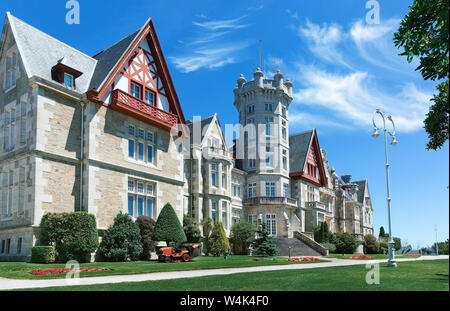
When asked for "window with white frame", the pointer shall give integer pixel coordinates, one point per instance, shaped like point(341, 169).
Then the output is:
point(269, 125)
point(136, 90)
point(269, 161)
point(214, 174)
point(214, 210)
point(225, 214)
point(251, 163)
point(268, 107)
point(251, 190)
point(11, 71)
point(310, 193)
point(286, 189)
point(141, 144)
point(23, 123)
point(270, 189)
point(149, 97)
point(253, 219)
point(224, 177)
point(68, 80)
point(271, 223)
point(320, 218)
point(141, 198)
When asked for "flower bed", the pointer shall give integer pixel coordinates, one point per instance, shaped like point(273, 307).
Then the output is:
point(66, 270)
point(411, 255)
point(303, 259)
point(360, 257)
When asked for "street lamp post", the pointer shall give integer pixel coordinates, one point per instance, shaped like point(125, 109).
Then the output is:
point(391, 260)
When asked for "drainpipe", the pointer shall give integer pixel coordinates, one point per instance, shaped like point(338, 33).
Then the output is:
point(81, 154)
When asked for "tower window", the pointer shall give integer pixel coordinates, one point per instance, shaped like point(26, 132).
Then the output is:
point(268, 107)
point(68, 80)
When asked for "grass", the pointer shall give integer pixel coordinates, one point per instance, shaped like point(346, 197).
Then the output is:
point(377, 256)
point(411, 276)
point(21, 270)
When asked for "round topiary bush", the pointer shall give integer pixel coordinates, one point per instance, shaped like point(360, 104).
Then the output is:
point(122, 240)
point(345, 243)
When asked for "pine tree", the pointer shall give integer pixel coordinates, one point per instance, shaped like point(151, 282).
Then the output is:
point(218, 243)
point(168, 227)
point(264, 244)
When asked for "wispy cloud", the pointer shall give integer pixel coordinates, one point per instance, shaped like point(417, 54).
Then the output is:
point(209, 58)
point(222, 24)
point(292, 14)
point(209, 48)
point(323, 41)
point(351, 98)
point(256, 8)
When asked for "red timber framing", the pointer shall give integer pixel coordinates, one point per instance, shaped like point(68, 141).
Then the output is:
point(313, 164)
point(155, 78)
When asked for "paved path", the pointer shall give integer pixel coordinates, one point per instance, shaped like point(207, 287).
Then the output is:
point(7, 284)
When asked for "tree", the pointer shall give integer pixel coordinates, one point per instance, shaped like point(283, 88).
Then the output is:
point(207, 224)
point(122, 240)
point(190, 227)
point(423, 33)
point(397, 243)
point(264, 244)
point(74, 235)
point(382, 233)
point(242, 235)
point(371, 245)
point(345, 243)
point(146, 227)
point(218, 243)
point(322, 234)
point(168, 227)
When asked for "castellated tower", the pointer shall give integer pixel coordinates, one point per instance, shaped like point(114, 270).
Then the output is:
point(263, 146)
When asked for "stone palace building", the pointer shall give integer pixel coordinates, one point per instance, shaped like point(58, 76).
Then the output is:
point(106, 133)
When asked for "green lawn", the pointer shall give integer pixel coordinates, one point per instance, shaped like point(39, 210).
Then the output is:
point(377, 256)
point(21, 270)
point(417, 276)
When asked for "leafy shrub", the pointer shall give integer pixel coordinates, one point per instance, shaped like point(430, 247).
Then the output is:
point(322, 234)
point(330, 246)
point(168, 227)
point(345, 243)
point(218, 243)
point(443, 248)
point(397, 243)
point(383, 244)
point(264, 244)
point(122, 240)
point(43, 254)
point(146, 227)
point(190, 227)
point(74, 235)
point(371, 245)
point(242, 235)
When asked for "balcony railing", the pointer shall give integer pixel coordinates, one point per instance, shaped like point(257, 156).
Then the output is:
point(316, 205)
point(137, 108)
point(327, 191)
point(271, 201)
point(213, 151)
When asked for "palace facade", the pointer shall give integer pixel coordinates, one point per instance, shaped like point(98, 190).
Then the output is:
point(102, 134)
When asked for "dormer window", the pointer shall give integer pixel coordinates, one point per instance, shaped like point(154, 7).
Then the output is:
point(68, 80)
point(65, 75)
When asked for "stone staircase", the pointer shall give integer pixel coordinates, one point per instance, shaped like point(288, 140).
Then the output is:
point(301, 245)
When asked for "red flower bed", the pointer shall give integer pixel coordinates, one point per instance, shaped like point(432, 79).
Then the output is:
point(65, 270)
point(411, 255)
point(360, 257)
point(303, 259)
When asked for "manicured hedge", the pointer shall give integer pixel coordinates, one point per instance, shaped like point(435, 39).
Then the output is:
point(43, 254)
point(73, 234)
point(168, 227)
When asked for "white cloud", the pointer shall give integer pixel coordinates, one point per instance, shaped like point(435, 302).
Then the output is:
point(323, 41)
point(222, 24)
point(351, 99)
point(209, 58)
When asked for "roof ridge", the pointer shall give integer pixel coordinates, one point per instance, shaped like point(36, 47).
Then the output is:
point(117, 42)
point(49, 36)
point(299, 133)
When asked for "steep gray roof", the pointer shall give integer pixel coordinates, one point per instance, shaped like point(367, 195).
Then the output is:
point(361, 189)
point(107, 59)
point(40, 52)
point(204, 123)
point(298, 150)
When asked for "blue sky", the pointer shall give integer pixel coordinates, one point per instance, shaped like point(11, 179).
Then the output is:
point(342, 69)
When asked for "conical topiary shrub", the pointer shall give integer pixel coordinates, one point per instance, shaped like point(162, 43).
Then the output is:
point(218, 243)
point(168, 227)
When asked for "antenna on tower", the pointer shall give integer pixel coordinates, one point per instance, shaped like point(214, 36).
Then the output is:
point(260, 54)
